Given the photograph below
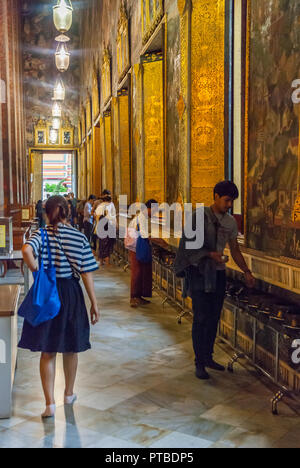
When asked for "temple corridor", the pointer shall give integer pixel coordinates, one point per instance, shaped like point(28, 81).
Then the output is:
point(136, 388)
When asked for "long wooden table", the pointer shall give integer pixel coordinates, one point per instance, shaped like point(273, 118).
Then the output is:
point(9, 297)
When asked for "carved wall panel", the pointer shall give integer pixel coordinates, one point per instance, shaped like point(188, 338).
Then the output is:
point(152, 13)
point(123, 59)
point(89, 156)
point(125, 146)
point(102, 143)
point(137, 134)
point(116, 147)
point(97, 162)
point(37, 170)
point(183, 105)
point(88, 114)
point(207, 98)
point(108, 153)
point(106, 78)
point(154, 128)
point(83, 123)
point(96, 95)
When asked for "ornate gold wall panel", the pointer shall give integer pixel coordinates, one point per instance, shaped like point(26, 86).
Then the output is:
point(207, 98)
point(183, 104)
point(83, 187)
point(106, 77)
point(152, 13)
point(88, 114)
point(108, 153)
point(95, 95)
point(154, 130)
point(137, 133)
point(83, 123)
point(97, 162)
point(79, 182)
point(89, 175)
point(37, 170)
point(125, 146)
point(116, 147)
point(102, 144)
point(123, 59)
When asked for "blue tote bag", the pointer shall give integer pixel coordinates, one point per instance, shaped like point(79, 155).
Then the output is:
point(42, 302)
point(143, 248)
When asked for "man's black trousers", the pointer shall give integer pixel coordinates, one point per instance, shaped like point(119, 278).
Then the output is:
point(207, 308)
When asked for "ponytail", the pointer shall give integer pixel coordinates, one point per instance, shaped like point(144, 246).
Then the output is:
point(57, 210)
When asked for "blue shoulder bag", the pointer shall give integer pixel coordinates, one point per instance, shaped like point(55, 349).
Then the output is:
point(42, 302)
point(143, 248)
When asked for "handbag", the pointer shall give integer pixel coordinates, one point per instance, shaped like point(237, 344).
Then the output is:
point(42, 302)
point(143, 248)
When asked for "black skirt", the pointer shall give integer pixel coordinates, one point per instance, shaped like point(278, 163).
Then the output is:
point(106, 248)
point(69, 332)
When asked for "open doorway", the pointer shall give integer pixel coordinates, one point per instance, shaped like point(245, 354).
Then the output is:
point(59, 173)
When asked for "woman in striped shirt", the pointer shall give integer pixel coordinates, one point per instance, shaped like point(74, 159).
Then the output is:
point(69, 332)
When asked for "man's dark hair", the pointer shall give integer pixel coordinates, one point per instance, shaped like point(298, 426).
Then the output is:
point(151, 202)
point(106, 192)
point(226, 189)
point(92, 197)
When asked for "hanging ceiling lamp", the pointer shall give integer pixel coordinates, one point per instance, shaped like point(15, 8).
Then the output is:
point(62, 15)
point(62, 57)
point(56, 110)
point(59, 91)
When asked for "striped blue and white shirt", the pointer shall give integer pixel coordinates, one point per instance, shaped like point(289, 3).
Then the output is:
point(70, 250)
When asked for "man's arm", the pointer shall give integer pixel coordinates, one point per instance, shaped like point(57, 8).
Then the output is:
point(240, 261)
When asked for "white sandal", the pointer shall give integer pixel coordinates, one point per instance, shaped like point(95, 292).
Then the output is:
point(49, 412)
point(69, 400)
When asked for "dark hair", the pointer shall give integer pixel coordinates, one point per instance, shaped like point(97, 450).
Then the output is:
point(92, 197)
point(57, 209)
point(106, 192)
point(151, 202)
point(226, 189)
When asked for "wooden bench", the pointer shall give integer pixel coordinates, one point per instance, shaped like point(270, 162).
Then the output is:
point(9, 297)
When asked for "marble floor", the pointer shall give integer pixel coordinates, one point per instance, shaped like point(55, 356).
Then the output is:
point(136, 388)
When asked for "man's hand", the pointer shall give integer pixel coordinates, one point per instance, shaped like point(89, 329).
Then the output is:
point(249, 279)
point(218, 257)
point(95, 314)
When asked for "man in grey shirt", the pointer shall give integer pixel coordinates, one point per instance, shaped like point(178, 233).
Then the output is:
point(205, 275)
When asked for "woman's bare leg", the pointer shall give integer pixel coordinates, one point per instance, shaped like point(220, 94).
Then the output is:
point(70, 361)
point(47, 371)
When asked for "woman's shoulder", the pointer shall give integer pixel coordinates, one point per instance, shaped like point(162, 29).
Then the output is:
point(67, 229)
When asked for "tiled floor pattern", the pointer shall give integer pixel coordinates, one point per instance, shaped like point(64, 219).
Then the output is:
point(136, 388)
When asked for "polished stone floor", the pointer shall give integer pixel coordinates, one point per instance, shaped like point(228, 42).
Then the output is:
point(136, 388)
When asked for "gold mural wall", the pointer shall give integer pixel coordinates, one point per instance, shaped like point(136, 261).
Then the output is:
point(116, 147)
point(132, 139)
point(97, 162)
point(102, 139)
point(109, 167)
point(125, 175)
point(207, 98)
point(37, 170)
point(154, 128)
point(138, 134)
